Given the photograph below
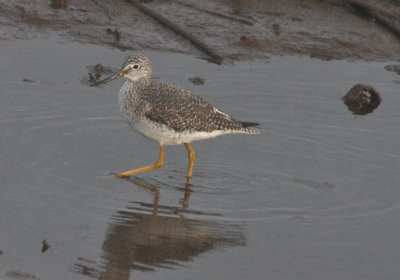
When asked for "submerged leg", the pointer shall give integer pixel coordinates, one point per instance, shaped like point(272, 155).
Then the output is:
point(191, 155)
point(157, 165)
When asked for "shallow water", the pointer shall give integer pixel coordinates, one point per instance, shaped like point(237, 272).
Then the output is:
point(314, 196)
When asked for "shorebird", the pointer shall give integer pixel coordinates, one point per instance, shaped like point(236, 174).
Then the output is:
point(167, 113)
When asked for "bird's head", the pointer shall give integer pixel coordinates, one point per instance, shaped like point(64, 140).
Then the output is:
point(135, 68)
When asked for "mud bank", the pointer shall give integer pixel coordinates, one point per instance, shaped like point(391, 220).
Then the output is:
point(236, 30)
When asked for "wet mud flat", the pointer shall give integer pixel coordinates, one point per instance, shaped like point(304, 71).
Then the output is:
point(314, 196)
point(225, 29)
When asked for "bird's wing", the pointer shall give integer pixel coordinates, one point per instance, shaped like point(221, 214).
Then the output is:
point(181, 110)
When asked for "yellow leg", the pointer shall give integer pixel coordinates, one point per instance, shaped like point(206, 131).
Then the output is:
point(191, 155)
point(157, 165)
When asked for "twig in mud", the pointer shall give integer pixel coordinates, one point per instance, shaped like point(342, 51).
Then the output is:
point(228, 16)
point(218, 59)
point(379, 14)
point(33, 81)
point(373, 8)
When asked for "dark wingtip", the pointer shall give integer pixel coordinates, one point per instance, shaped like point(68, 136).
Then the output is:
point(250, 124)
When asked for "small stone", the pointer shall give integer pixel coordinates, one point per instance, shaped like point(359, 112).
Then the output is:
point(45, 246)
point(197, 80)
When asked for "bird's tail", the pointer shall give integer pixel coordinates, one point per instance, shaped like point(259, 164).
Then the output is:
point(248, 127)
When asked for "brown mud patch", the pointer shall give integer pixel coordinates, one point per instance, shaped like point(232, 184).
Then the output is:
point(232, 28)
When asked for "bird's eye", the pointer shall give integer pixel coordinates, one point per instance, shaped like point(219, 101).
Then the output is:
point(135, 66)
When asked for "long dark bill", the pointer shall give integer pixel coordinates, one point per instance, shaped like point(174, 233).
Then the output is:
point(106, 80)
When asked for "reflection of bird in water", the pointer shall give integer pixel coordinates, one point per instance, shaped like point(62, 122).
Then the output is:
point(147, 236)
point(168, 114)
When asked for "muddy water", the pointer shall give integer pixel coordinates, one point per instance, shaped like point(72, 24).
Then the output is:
point(314, 196)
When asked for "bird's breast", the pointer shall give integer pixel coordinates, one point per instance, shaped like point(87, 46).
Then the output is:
point(132, 106)
point(123, 95)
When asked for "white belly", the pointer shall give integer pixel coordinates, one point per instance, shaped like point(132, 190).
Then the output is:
point(166, 136)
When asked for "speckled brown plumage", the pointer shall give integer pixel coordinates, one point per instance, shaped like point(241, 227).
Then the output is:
point(180, 109)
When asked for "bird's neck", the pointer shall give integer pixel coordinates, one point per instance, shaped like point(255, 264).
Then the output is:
point(140, 83)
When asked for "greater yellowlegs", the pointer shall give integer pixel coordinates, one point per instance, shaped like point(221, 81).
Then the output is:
point(167, 113)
